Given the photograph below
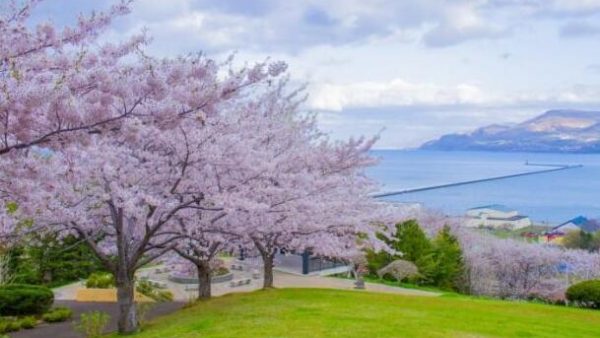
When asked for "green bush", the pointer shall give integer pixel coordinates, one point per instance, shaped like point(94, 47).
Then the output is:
point(10, 325)
point(4, 326)
point(220, 271)
point(22, 299)
point(100, 280)
point(163, 296)
point(58, 314)
point(585, 294)
point(28, 322)
point(92, 324)
point(147, 289)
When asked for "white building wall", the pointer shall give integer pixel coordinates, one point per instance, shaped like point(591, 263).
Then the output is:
point(491, 213)
point(475, 222)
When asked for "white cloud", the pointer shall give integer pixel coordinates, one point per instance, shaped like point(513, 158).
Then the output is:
point(420, 96)
point(296, 25)
point(374, 61)
point(397, 92)
point(576, 6)
point(462, 22)
point(579, 29)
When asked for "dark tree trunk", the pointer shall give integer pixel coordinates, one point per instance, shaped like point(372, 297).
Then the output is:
point(268, 270)
point(128, 322)
point(204, 276)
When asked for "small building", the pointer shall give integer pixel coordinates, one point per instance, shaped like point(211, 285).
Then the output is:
point(307, 264)
point(579, 223)
point(496, 216)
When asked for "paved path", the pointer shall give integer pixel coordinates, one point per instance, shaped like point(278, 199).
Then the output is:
point(65, 296)
point(65, 329)
point(285, 280)
point(282, 280)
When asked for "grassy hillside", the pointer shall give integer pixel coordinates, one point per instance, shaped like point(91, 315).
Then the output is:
point(333, 313)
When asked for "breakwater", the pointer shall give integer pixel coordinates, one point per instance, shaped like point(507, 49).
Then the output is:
point(553, 167)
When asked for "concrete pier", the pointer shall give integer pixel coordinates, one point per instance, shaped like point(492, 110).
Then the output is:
point(554, 167)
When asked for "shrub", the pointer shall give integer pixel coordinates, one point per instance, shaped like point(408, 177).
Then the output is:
point(100, 280)
point(142, 309)
point(92, 324)
point(3, 326)
point(220, 271)
point(585, 294)
point(163, 296)
point(9, 325)
point(58, 314)
point(28, 322)
point(400, 270)
point(147, 289)
point(22, 299)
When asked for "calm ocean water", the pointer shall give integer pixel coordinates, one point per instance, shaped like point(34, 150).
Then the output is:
point(548, 197)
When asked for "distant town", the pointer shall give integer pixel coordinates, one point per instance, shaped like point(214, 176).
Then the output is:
point(503, 220)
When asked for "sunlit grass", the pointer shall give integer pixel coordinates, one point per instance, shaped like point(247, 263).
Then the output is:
point(335, 313)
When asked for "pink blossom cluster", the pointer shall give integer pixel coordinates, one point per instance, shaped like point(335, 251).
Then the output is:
point(141, 156)
point(510, 268)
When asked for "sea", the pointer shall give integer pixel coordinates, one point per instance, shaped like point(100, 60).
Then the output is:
point(547, 198)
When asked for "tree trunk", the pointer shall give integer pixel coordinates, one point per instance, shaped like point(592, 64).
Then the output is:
point(268, 271)
point(128, 322)
point(204, 276)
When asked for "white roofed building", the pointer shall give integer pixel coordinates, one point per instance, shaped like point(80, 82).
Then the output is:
point(496, 216)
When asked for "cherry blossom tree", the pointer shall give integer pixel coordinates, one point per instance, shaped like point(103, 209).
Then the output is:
point(140, 156)
point(306, 192)
point(56, 82)
point(202, 240)
point(122, 188)
point(59, 86)
point(509, 268)
point(56, 86)
point(284, 186)
point(120, 198)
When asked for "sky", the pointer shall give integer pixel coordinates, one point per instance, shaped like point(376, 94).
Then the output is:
point(410, 70)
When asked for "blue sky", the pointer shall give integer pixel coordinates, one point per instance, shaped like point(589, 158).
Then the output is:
point(415, 69)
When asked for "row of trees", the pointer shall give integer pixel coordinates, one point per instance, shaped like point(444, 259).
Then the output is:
point(48, 260)
point(139, 157)
point(453, 257)
point(509, 268)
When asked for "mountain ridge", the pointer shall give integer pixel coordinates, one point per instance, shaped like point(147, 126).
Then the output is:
point(559, 130)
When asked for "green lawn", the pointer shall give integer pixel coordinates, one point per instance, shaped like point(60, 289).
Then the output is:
point(334, 313)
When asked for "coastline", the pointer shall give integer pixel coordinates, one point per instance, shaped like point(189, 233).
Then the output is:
point(551, 197)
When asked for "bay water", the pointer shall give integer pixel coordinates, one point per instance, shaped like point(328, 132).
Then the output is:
point(548, 198)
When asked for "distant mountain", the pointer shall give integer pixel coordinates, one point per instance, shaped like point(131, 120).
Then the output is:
point(569, 131)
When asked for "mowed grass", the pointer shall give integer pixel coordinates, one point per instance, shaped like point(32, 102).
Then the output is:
point(335, 313)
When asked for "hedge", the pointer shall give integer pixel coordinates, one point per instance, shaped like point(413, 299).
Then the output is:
point(100, 280)
point(585, 294)
point(24, 299)
point(58, 314)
